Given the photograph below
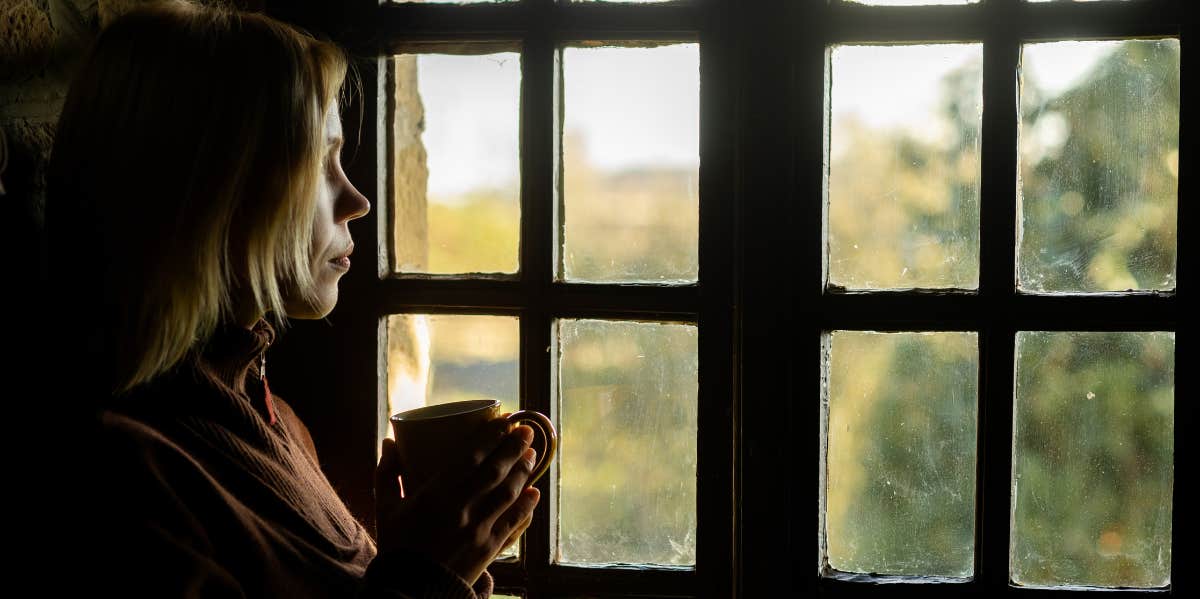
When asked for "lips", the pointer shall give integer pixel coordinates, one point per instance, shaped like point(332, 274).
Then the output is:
point(343, 259)
point(345, 254)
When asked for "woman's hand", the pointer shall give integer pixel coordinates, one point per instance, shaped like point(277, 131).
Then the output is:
point(465, 516)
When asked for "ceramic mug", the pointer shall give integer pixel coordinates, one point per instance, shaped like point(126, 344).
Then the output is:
point(429, 439)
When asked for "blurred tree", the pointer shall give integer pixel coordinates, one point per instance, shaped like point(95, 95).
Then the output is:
point(1100, 212)
point(1099, 175)
point(1095, 413)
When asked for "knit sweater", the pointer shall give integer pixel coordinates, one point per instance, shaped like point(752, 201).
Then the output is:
point(209, 486)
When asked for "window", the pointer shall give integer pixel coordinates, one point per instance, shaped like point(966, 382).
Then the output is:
point(542, 242)
point(584, 246)
point(974, 301)
point(771, 289)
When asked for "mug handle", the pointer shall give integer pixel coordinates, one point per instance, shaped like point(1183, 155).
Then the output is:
point(549, 439)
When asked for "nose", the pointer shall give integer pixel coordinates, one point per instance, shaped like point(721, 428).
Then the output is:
point(351, 203)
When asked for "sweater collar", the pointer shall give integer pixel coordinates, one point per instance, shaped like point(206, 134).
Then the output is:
point(233, 352)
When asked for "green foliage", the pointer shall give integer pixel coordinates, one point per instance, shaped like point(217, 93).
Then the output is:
point(903, 209)
point(1095, 473)
point(628, 411)
point(1095, 414)
point(478, 233)
point(1094, 468)
point(1100, 210)
point(901, 452)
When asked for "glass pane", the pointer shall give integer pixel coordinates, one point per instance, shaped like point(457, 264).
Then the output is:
point(630, 150)
point(1093, 467)
point(456, 164)
point(449, 1)
point(1099, 176)
point(904, 166)
point(909, 2)
point(627, 410)
point(439, 358)
point(900, 458)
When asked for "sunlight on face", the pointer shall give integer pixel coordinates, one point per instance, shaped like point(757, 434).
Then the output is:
point(338, 202)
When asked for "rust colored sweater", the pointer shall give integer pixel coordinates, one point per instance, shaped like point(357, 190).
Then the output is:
point(210, 487)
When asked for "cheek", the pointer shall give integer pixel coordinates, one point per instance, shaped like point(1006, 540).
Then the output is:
point(323, 228)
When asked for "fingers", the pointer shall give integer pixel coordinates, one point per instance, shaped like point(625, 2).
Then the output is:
point(516, 519)
point(489, 438)
point(509, 490)
point(516, 533)
point(472, 475)
point(387, 484)
point(495, 469)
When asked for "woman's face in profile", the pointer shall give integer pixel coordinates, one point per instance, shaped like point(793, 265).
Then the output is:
point(338, 203)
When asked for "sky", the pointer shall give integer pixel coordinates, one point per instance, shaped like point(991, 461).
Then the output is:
point(890, 86)
point(640, 106)
point(634, 107)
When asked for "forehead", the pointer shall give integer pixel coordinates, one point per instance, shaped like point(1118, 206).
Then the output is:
point(333, 122)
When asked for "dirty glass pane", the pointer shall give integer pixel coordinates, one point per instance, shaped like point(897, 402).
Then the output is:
point(1099, 160)
point(439, 358)
point(1093, 468)
point(449, 2)
point(904, 166)
point(626, 405)
point(899, 462)
point(455, 163)
point(630, 150)
point(909, 2)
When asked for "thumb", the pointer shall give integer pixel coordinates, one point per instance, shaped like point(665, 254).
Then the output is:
point(388, 489)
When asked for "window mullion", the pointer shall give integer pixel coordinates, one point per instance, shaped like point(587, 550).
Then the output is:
point(717, 556)
point(1001, 56)
point(776, 237)
point(538, 179)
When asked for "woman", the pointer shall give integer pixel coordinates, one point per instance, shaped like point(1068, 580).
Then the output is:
point(195, 190)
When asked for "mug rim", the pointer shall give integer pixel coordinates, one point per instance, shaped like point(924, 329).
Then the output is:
point(479, 404)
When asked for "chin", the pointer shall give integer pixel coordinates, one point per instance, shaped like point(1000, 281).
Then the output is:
point(308, 311)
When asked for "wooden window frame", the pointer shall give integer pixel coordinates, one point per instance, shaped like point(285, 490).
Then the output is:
point(761, 304)
point(538, 28)
point(996, 310)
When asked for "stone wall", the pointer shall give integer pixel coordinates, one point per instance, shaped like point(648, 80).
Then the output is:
point(408, 335)
point(41, 41)
point(41, 44)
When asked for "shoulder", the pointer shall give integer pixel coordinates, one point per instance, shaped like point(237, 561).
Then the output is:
point(294, 426)
point(157, 517)
point(142, 478)
point(119, 435)
point(140, 460)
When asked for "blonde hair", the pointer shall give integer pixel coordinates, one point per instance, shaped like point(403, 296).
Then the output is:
point(183, 180)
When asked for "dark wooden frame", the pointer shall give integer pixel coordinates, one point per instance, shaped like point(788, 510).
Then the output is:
point(762, 175)
point(996, 310)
